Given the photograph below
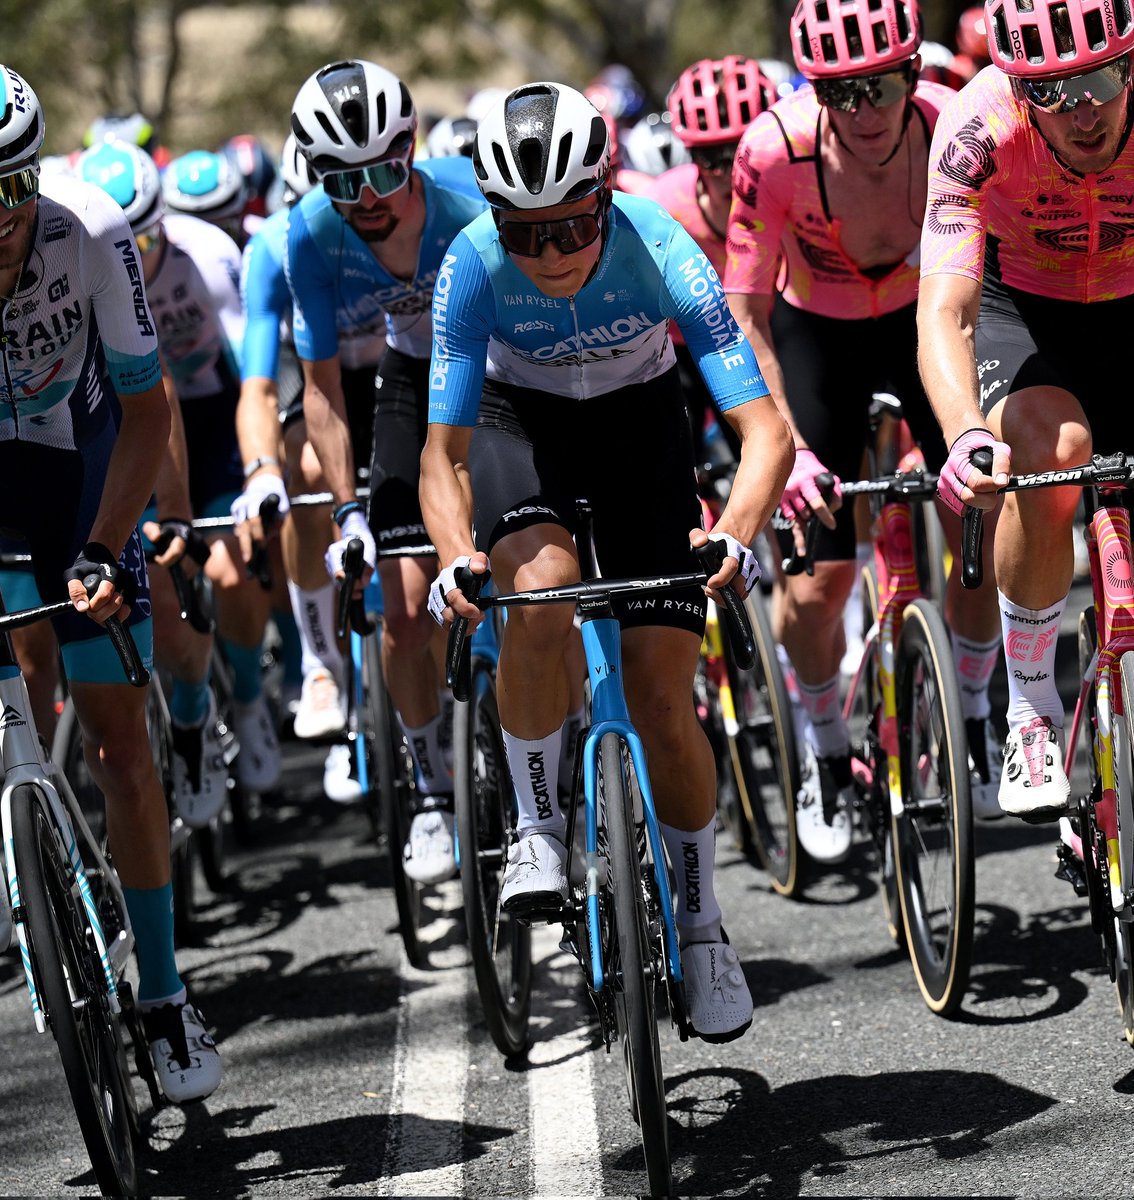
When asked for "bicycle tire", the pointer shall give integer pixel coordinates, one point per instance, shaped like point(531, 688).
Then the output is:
point(765, 756)
point(1124, 779)
point(635, 992)
point(707, 699)
point(929, 550)
point(933, 834)
point(392, 773)
point(500, 946)
point(73, 995)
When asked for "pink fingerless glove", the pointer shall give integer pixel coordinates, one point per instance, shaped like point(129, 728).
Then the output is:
point(801, 487)
point(958, 468)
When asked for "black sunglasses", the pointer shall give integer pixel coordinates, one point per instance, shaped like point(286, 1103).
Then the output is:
point(568, 235)
point(1065, 95)
point(880, 91)
point(714, 160)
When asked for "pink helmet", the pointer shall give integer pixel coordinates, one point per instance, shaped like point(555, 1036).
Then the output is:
point(972, 35)
point(715, 100)
point(1063, 38)
point(832, 38)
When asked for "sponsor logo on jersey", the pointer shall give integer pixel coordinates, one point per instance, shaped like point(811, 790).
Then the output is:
point(441, 289)
point(134, 273)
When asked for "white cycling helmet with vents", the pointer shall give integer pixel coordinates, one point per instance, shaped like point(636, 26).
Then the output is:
point(544, 144)
point(353, 113)
point(21, 121)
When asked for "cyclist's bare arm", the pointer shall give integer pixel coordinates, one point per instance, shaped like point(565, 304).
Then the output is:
point(947, 311)
point(257, 420)
point(753, 314)
point(324, 409)
point(447, 501)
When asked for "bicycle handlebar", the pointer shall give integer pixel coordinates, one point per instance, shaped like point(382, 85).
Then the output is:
point(458, 660)
point(1104, 470)
point(352, 611)
point(259, 565)
point(305, 500)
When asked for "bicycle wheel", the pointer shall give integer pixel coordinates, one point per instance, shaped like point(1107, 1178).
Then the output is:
point(486, 826)
point(1124, 785)
point(708, 702)
point(73, 995)
point(637, 975)
point(933, 834)
point(764, 755)
point(929, 550)
point(392, 773)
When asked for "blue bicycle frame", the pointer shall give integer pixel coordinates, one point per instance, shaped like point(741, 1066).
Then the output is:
point(602, 644)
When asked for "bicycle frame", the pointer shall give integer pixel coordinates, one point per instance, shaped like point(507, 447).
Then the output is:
point(602, 645)
point(23, 763)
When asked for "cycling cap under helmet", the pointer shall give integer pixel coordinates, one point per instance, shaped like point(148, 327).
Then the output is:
point(127, 174)
point(715, 100)
point(832, 38)
point(21, 121)
point(297, 173)
point(351, 114)
point(544, 144)
point(205, 185)
point(1064, 38)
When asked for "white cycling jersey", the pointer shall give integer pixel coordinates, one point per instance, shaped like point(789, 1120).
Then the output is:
point(78, 328)
point(195, 298)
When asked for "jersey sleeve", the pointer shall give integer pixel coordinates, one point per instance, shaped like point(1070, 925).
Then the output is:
point(313, 291)
point(697, 302)
point(112, 277)
point(464, 316)
point(266, 299)
point(962, 160)
point(756, 222)
point(223, 281)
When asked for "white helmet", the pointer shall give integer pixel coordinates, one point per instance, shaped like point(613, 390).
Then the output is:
point(350, 114)
point(296, 172)
point(451, 137)
point(21, 121)
point(128, 174)
point(205, 185)
point(652, 146)
point(544, 144)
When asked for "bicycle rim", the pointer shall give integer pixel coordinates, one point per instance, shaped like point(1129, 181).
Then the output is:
point(932, 836)
point(388, 757)
point(1124, 780)
point(500, 946)
point(764, 755)
point(73, 993)
point(635, 987)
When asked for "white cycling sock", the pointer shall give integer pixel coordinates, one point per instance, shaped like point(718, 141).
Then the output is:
point(315, 619)
point(695, 906)
point(534, 766)
point(433, 776)
point(828, 729)
point(1030, 638)
point(975, 663)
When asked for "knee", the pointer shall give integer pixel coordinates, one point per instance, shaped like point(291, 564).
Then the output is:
point(408, 630)
point(1046, 432)
point(120, 770)
point(815, 601)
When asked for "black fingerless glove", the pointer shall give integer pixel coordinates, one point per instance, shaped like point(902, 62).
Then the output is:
point(96, 559)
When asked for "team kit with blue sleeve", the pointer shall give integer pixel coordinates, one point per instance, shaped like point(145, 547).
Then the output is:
point(75, 335)
point(269, 349)
point(579, 397)
point(344, 299)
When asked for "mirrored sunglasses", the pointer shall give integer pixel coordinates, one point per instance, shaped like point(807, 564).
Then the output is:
point(19, 187)
point(1065, 95)
point(147, 239)
point(715, 160)
point(384, 178)
point(880, 91)
point(567, 236)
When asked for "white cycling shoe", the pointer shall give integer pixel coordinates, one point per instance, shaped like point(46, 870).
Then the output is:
point(258, 764)
point(1034, 786)
point(200, 775)
point(822, 810)
point(986, 764)
point(716, 992)
point(184, 1054)
point(535, 883)
point(320, 713)
point(430, 854)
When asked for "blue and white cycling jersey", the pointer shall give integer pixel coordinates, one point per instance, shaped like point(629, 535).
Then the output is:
point(266, 298)
point(79, 309)
point(342, 292)
point(489, 317)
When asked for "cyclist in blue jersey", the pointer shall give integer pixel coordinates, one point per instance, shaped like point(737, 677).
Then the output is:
point(553, 377)
point(367, 247)
point(82, 408)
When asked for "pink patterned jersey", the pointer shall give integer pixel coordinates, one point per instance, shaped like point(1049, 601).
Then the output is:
point(993, 179)
point(781, 235)
point(676, 191)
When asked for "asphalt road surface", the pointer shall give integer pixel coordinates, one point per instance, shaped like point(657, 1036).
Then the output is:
point(349, 1073)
